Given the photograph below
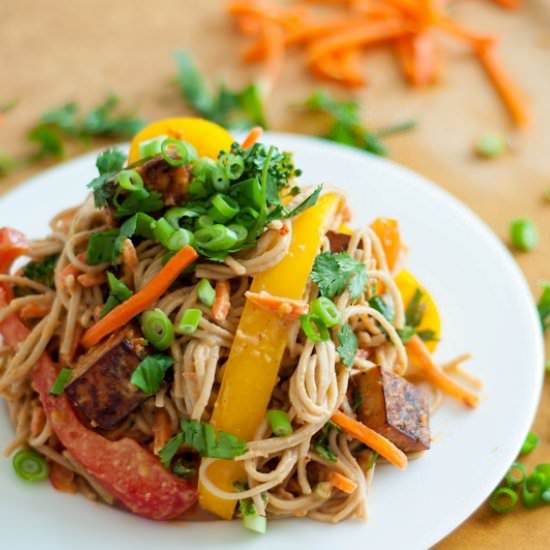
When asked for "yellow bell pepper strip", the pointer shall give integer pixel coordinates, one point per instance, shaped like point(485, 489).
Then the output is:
point(261, 338)
point(387, 230)
point(407, 285)
point(207, 137)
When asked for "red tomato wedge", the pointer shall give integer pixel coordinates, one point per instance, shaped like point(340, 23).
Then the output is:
point(129, 472)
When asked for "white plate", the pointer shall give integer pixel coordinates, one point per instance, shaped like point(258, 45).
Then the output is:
point(486, 309)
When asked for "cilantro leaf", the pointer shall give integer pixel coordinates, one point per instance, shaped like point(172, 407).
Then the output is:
point(380, 305)
point(49, 141)
point(348, 345)
point(543, 306)
point(64, 117)
point(149, 374)
point(333, 272)
point(170, 449)
point(321, 443)
point(108, 163)
point(415, 310)
point(110, 160)
point(102, 121)
point(104, 247)
point(202, 437)
point(140, 201)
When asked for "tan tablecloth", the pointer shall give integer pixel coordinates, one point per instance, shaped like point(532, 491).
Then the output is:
point(58, 50)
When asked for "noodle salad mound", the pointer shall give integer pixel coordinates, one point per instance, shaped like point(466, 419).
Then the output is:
point(204, 332)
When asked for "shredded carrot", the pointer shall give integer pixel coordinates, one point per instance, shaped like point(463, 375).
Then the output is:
point(129, 255)
point(38, 420)
point(222, 303)
point(61, 478)
point(509, 4)
point(341, 482)
point(88, 280)
point(68, 271)
point(253, 136)
point(284, 307)
point(418, 58)
point(34, 311)
point(507, 89)
point(142, 299)
point(162, 431)
point(421, 357)
point(378, 443)
point(472, 38)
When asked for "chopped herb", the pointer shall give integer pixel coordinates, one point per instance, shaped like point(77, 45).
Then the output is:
point(140, 201)
point(406, 333)
point(103, 121)
point(379, 304)
point(119, 292)
point(149, 374)
point(184, 469)
point(334, 272)
point(42, 271)
point(491, 145)
point(531, 442)
point(233, 109)
point(346, 126)
point(524, 235)
point(308, 202)
point(104, 247)
point(108, 163)
point(321, 444)
point(347, 345)
point(61, 381)
point(415, 309)
point(543, 306)
point(202, 437)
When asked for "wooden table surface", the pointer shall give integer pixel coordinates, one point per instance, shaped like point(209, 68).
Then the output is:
point(55, 51)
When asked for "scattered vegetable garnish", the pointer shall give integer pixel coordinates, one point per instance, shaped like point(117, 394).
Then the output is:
point(280, 423)
point(321, 444)
point(206, 293)
point(334, 272)
point(118, 293)
point(543, 306)
point(149, 374)
point(232, 109)
point(202, 437)
point(347, 345)
point(524, 234)
point(491, 145)
point(157, 328)
point(41, 271)
point(314, 329)
point(530, 444)
point(335, 39)
point(61, 381)
point(29, 465)
point(503, 500)
point(189, 321)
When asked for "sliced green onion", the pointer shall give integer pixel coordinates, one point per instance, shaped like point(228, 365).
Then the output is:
point(247, 217)
point(204, 221)
point(189, 321)
point(240, 231)
point(117, 288)
point(503, 500)
point(543, 469)
point(206, 293)
point(491, 145)
point(157, 329)
point(162, 231)
point(215, 238)
point(255, 523)
point(530, 444)
point(62, 378)
point(323, 490)
point(185, 152)
point(248, 192)
point(533, 488)
point(280, 423)
point(29, 465)
point(180, 238)
point(326, 310)
point(516, 475)
point(144, 225)
point(523, 234)
point(130, 180)
point(220, 181)
point(174, 215)
point(233, 166)
point(203, 168)
point(151, 148)
point(314, 328)
point(223, 209)
point(198, 189)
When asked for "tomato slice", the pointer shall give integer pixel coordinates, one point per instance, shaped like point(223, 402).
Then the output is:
point(13, 244)
point(207, 137)
point(124, 468)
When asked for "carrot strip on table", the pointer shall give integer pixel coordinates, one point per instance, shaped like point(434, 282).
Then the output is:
point(253, 136)
point(509, 92)
point(222, 303)
point(423, 360)
point(341, 482)
point(419, 58)
point(378, 443)
point(142, 299)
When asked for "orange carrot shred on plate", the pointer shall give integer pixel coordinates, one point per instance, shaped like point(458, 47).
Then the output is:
point(38, 420)
point(141, 300)
point(378, 443)
point(61, 478)
point(509, 92)
point(284, 307)
point(162, 430)
point(88, 280)
point(222, 303)
point(421, 358)
point(341, 482)
point(253, 136)
point(34, 311)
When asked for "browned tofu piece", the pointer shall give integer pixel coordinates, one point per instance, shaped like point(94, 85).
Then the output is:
point(395, 408)
point(100, 387)
point(338, 241)
point(170, 181)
